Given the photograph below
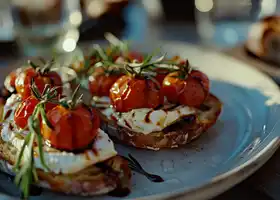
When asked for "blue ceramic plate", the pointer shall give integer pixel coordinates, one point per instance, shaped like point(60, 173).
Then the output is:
point(243, 139)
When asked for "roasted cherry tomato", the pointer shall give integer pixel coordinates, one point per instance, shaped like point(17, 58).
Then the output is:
point(129, 93)
point(100, 83)
point(177, 60)
point(135, 56)
point(191, 90)
point(54, 79)
point(161, 74)
point(73, 129)
point(23, 81)
point(25, 110)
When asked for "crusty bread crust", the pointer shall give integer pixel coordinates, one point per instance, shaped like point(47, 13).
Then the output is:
point(94, 180)
point(173, 136)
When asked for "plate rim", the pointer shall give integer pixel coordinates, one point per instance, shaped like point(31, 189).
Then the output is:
point(206, 190)
point(209, 190)
point(218, 184)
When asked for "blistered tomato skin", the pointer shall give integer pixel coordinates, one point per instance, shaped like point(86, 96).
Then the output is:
point(54, 79)
point(24, 79)
point(161, 74)
point(25, 110)
point(73, 129)
point(100, 83)
point(23, 82)
point(129, 93)
point(191, 91)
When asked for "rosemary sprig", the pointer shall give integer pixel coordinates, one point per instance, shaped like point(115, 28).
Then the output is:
point(74, 101)
point(116, 44)
point(106, 62)
point(24, 167)
point(135, 166)
point(184, 71)
point(147, 69)
point(105, 57)
point(100, 52)
point(44, 67)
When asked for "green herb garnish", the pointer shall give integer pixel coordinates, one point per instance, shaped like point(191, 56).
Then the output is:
point(74, 101)
point(25, 170)
point(44, 67)
point(105, 62)
point(184, 71)
point(117, 46)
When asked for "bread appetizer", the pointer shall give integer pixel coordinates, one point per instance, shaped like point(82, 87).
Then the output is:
point(57, 143)
point(264, 39)
point(159, 104)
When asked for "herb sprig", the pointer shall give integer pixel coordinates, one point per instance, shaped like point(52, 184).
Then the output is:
point(184, 71)
point(44, 67)
point(24, 167)
point(117, 45)
point(74, 101)
point(105, 58)
point(106, 62)
point(144, 68)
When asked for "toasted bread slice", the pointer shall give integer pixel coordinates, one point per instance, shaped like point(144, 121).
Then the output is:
point(179, 133)
point(111, 175)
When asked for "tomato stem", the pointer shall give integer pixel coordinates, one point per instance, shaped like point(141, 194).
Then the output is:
point(42, 69)
point(46, 67)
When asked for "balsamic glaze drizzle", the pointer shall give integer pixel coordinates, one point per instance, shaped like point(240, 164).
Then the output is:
point(135, 166)
point(8, 114)
point(147, 117)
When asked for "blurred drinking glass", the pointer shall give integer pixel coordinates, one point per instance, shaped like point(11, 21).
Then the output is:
point(225, 23)
point(44, 25)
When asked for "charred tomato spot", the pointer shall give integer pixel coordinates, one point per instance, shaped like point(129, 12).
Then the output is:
point(127, 124)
